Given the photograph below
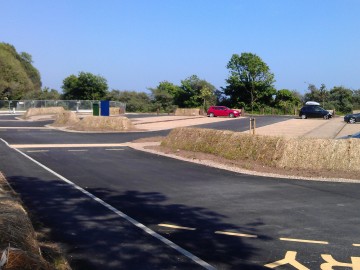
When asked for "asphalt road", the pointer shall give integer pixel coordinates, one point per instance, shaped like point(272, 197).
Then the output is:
point(228, 220)
point(19, 132)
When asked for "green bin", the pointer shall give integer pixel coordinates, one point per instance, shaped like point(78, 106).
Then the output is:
point(96, 109)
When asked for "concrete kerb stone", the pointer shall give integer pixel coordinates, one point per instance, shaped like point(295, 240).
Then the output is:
point(209, 163)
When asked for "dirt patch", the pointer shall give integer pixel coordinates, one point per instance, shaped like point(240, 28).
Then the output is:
point(19, 242)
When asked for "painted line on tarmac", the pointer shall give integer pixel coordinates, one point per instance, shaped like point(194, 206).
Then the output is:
point(78, 150)
point(237, 234)
point(115, 149)
point(176, 227)
point(37, 151)
point(305, 241)
point(23, 128)
point(63, 145)
point(356, 245)
point(121, 214)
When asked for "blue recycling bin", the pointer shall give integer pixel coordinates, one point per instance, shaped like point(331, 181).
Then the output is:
point(105, 107)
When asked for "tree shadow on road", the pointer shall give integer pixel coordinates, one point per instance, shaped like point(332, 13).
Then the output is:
point(96, 238)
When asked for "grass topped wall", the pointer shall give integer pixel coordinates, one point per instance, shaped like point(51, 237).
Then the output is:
point(280, 152)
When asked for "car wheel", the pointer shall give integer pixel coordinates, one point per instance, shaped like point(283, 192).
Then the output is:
point(211, 115)
point(326, 117)
point(352, 120)
point(231, 115)
point(303, 116)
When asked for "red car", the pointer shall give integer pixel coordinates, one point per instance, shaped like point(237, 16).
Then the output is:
point(222, 111)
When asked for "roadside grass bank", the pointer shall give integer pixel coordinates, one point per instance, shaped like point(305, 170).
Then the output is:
point(43, 111)
point(71, 121)
point(299, 156)
point(21, 247)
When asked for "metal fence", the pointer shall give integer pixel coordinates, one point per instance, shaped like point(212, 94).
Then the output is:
point(72, 105)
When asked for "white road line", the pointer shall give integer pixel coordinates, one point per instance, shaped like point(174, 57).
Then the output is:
point(237, 234)
point(305, 241)
point(176, 227)
point(123, 215)
point(24, 128)
point(356, 245)
point(37, 151)
point(114, 149)
point(79, 150)
point(18, 146)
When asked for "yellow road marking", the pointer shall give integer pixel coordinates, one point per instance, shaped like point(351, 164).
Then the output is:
point(176, 227)
point(237, 234)
point(305, 241)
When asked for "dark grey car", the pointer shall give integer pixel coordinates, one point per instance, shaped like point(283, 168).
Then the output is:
point(352, 118)
point(314, 111)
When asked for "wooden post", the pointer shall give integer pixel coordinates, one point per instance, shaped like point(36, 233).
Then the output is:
point(252, 125)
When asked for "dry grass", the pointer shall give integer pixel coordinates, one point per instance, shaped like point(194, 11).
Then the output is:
point(115, 111)
point(65, 119)
point(18, 238)
point(314, 154)
point(71, 121)
point(187, 112)
point(43, 111)
point(103, 123)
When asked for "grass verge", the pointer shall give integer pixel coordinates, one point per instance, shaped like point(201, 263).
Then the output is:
point(322, 155)
point(19, 242)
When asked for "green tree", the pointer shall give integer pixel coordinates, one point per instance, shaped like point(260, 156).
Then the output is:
point(286, 99)
point(356, 99)
point(195, 92)
point(85, 86)
point(341, 99)
point(323, 94)
point(320, 95)
point(164, 96)
point(45, 94)
point(17, 74)
point(250, 81)
point(135, 101)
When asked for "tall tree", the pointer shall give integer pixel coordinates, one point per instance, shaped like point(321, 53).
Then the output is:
point(45, 94)
point(356, 99)
point(250, 80)
point(17, 74)
point(135, 101)
point(285, 98)
point(164, 96)
point(341, 99)
point(317, 94)
point(85, 86)
point(195, 92)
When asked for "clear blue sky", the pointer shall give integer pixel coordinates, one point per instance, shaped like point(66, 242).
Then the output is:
point(135, 44)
